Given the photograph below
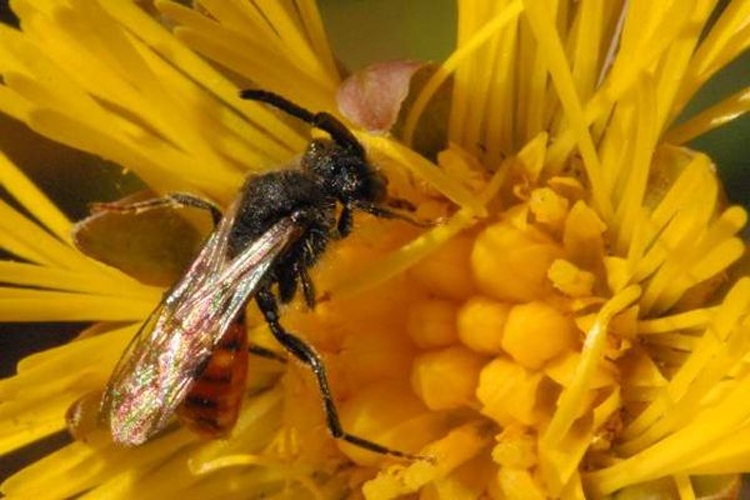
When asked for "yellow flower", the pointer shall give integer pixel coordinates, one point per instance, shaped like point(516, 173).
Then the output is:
point(573, 326)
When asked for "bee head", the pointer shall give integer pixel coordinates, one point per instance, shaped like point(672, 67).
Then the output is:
point(345, 174)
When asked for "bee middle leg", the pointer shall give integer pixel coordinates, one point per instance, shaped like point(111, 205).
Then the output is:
point(305, 353)
point(175, 200)
point(264, 352)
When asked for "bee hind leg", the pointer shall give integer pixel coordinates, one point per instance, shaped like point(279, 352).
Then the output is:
point(305, 353)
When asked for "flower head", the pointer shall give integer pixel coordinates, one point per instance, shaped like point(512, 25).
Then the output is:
point(572, 326)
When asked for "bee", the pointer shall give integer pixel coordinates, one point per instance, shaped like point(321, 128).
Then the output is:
point(190, 356)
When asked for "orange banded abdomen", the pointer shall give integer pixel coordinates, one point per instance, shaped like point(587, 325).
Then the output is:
point(212, 404)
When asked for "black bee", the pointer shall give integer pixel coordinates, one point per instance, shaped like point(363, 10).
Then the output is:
point(189, 357)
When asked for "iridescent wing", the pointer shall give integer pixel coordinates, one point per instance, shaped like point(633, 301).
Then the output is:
point(168, 352)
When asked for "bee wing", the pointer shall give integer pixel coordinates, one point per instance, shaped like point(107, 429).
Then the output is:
point(167, 353)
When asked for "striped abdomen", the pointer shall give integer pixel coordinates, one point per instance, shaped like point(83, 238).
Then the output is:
point(212, 404)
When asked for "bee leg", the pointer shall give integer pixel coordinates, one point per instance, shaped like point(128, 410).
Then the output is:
point(305, 353)
point(345, 222)
point(387, 213)
point(189, 200)
point(308, 288)
point(170, 200)
point(264, 352)
point(400, 204)
point(286, 278)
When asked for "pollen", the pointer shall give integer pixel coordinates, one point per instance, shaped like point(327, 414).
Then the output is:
point(548, 206)
point(516, 447)
point(536, 332)
point(511, 264)
point(481, 322)
point(432, 323)
point(570, 279)
point(447, 271)
point(446, 378)
point(508, 392)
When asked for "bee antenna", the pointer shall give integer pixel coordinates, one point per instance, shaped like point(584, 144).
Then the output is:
point(324, 121)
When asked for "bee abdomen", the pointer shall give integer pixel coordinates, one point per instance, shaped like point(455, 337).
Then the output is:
point(212, 404)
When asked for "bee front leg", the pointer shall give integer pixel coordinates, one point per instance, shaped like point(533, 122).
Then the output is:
point(386, 213)
point(305, 353)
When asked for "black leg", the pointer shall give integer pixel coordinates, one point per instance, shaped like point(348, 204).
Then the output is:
point(308, 289)
point(188, 200)
point(323, 121)
point(400, 204)
point(386, 213)
point(345, 222)
point(286, 278)
point(263, 352)
point(306, 354)
point(169, 200)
